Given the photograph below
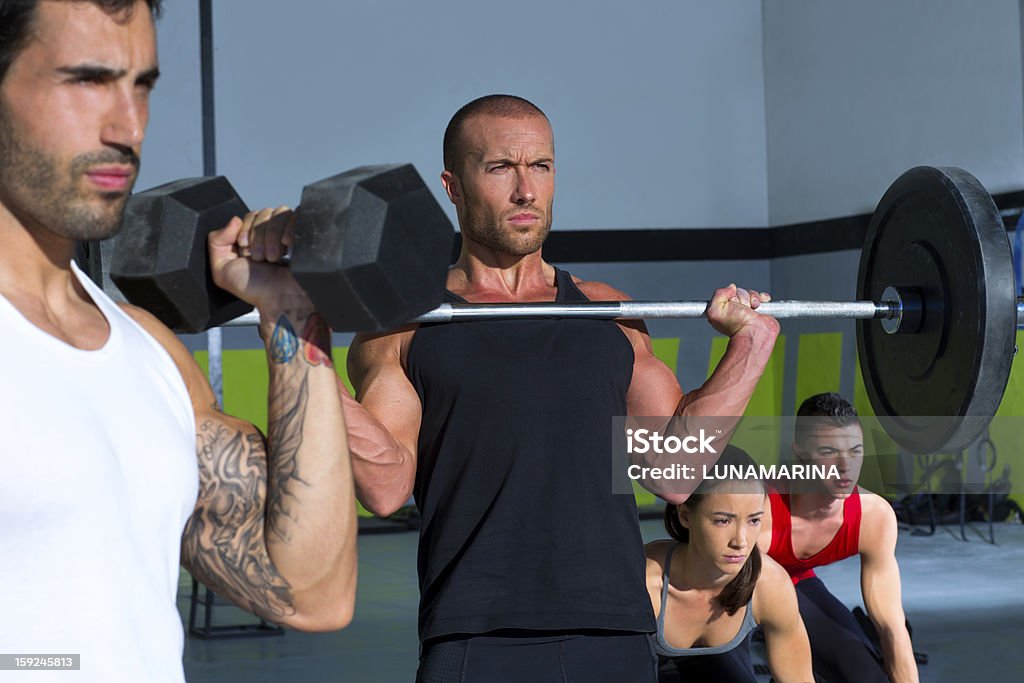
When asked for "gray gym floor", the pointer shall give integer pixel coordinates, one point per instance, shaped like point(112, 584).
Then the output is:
point(964, 599)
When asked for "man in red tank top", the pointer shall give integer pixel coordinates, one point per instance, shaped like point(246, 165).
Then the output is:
point(812, 528)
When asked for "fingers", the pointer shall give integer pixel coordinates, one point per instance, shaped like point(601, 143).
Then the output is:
point(723, 295)
point(749, 298)
point(267, 234)
point(732, 308)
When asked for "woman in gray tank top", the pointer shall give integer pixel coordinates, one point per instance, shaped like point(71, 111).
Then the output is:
point(710, 587)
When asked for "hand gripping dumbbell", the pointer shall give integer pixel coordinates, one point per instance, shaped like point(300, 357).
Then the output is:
point(371, 249)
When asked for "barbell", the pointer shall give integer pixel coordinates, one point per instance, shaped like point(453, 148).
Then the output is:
point(936, 271)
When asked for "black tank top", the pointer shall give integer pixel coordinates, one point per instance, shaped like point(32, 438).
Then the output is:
point(520, 529)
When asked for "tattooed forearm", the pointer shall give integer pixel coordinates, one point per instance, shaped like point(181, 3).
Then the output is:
point(251, 489)
point(287, 412)
point(224, 543)
point(317, 338)
point(283, 343)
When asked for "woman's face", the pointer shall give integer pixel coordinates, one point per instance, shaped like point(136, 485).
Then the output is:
point(724, 527)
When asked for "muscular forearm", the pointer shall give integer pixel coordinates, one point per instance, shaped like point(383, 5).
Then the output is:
point(384, 469)
point(310, 511)
point(788, 650)
point(713, 410)
point(898, 653)
point(729, 388)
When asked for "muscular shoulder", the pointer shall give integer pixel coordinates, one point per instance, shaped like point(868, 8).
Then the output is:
point(157, 330)
point(773, 589)
point(878, 523)
point(600, 291)
point(772, 574)
point(196, 382)
point(635, 330)
point(372, 351)
point(655, 552)
point(875, 509)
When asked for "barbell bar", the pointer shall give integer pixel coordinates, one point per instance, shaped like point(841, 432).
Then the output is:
point(783, 309)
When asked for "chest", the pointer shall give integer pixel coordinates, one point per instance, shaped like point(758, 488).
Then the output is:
point(481, 357)
point(95, 443)
point(809, 538)
point(693, 621)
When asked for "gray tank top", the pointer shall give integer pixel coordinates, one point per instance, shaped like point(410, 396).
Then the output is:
point(665, 650)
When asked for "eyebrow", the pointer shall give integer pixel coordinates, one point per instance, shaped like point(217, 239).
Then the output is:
point(106, 73)
point(732, 515)
point(510, 160)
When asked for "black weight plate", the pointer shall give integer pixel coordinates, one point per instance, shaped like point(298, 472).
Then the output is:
point(160, 254)
point(938, 232)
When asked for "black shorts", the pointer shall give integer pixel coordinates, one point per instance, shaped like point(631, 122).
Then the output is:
point(562, 658)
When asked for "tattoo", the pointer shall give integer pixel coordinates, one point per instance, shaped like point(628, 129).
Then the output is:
point(250, 495)
point(284, 427)
point(283, 343)
point(317, 342)
point(224, 541)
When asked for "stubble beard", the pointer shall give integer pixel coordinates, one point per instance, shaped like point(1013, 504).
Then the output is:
point(39, 192)
point(488, 231)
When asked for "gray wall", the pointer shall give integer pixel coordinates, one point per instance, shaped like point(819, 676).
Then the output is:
point(174, 140)
point(657, 106)
point(858, 92)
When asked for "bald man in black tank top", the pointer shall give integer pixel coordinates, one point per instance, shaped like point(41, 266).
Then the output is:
point(530, 568)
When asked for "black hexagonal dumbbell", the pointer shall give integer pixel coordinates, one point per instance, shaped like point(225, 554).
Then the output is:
point(371, 249)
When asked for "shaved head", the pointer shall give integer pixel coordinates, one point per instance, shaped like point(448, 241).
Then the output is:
point(506, 106)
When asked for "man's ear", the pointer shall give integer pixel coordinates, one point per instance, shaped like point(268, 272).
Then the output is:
point(451, 186)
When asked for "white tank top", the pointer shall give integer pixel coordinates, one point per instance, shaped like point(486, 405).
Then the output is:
point(98, 476)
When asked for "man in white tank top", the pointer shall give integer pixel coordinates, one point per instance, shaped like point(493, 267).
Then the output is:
point(116, 458)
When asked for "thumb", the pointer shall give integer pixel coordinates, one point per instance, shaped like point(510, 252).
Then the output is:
point(222, 244)
point(226, 236)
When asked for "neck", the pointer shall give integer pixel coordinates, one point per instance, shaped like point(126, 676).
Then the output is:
point(35, 262)
point(815, 505)
point(690, 572)
point(483, 271)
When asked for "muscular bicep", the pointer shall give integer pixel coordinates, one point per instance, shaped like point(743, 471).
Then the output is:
point(383, 389)
point(653, 389)
point(224, 543)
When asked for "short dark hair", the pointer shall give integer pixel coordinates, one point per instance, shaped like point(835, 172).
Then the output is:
point(511, 106)
point(17, 18)
point(823, 410)
point(740, 589)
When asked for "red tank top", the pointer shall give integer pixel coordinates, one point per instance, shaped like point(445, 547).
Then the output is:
point(843, 545)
